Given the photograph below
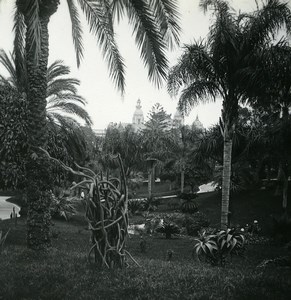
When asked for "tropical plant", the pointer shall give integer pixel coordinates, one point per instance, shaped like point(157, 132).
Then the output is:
point(168, 228)
point(214, 67)
point(189, 206)
point(154, 27)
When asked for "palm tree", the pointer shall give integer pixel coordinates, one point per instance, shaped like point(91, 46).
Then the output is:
point(154, 26)
point(213, 68)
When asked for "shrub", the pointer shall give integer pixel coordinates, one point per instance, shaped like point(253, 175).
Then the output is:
point(195, 222)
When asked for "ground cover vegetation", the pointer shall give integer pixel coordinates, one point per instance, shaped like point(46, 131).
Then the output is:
point(233, 243)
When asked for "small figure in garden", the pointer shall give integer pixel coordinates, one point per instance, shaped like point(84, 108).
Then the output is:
point(13, 215)
point(256, 227)
point(142, 244)
point(169, 254)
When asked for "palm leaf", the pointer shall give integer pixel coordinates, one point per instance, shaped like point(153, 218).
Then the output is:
point(148, 39)
point(56, 69)
point(76, 30)
point(70, 108)
point(31, 8)
point(166, 12)
point(100, 22)
point(19, 29)
point(8, 63)
point(62, 84)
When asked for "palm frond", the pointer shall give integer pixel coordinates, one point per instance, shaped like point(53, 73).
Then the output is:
point(56, 69)
point(8, 63)
point(69, 108)
point(32, 12)
point(64, 122)
point(99, 19)
point(64, 96)
point(196, 92)
point(194, 64)
point(267, 21)
point(19, 29)
point(59, 85)
point(149, 41)
point(76, 30)
point(166, 12)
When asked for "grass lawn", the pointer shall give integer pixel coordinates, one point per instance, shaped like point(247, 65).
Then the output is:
point(64, 272)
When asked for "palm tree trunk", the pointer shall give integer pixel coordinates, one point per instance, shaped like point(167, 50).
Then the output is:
point(226, 173)
point(39, 182)
point(182, 180)
point(150, 182)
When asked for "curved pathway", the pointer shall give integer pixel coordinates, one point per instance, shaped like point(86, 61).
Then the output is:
point(6, 208)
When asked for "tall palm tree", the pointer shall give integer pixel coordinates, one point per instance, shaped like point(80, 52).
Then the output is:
point(212, 68)
point(154, 25)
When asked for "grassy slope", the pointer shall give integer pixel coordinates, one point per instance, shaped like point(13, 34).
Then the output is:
point(64, 273)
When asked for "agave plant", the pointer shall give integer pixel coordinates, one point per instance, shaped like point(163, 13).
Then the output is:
point(206, 247)
point(230, 241)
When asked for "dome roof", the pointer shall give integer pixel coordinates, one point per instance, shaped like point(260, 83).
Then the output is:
point(197, 123)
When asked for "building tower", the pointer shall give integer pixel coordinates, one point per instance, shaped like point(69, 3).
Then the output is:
point(197, 124)
point(138, 117)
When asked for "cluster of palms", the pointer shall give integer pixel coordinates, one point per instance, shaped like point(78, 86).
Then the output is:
point(239, 62)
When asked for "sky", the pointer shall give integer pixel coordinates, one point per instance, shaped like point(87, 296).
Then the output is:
point(105, 102)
